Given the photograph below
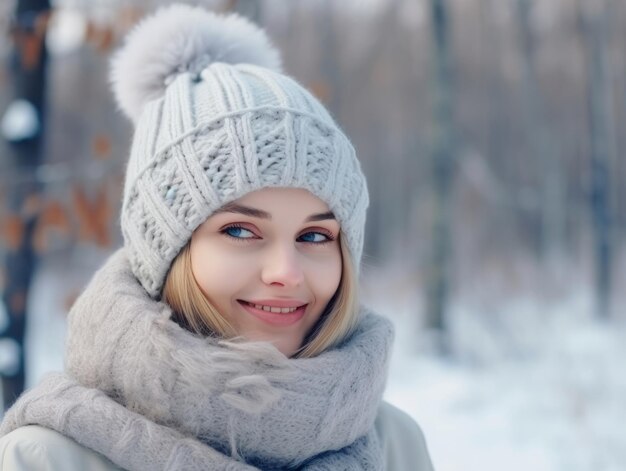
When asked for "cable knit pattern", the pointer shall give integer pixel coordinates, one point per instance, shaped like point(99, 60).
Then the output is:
point(199, 169)
point(134, 373)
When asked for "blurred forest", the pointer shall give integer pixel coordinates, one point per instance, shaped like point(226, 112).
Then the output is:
point(491, 132)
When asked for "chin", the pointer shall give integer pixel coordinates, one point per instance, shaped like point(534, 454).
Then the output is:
point(287, 347)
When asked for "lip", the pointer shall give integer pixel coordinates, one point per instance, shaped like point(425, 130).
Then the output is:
point(276, 318)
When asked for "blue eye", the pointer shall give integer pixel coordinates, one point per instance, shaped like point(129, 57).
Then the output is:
point(237, 232)
point(315, 237)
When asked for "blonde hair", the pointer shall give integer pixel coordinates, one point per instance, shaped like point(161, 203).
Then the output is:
point(195, 312)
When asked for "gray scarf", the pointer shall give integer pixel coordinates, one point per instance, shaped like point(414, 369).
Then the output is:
point(150, 395)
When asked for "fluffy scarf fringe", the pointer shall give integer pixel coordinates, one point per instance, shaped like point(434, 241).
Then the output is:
point(150, 395)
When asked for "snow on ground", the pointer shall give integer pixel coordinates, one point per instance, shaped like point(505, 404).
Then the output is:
point(536, 386)
point(543, 388)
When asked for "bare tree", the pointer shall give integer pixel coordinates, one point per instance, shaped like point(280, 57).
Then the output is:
point(443, 161)
point(550, 230)
point(29, 66)
point(593, 23)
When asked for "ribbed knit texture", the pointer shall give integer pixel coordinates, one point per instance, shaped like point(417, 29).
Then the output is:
point(150, 395)
point(215, 137)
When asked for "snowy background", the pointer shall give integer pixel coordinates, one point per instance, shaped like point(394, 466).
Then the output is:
point(542, 390)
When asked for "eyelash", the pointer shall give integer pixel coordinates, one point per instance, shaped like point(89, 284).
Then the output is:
point(329, 239)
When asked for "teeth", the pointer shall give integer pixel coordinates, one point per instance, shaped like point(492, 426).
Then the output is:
point(281, 310)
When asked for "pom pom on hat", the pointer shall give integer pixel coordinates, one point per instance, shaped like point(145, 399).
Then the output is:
point(181, 38)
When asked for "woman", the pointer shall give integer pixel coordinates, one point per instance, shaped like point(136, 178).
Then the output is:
point(226, 333)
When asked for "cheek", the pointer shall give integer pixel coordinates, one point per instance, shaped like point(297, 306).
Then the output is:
point(216, 271)
point(327, 277)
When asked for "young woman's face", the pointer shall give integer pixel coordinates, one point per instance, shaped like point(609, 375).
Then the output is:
point(269, 262)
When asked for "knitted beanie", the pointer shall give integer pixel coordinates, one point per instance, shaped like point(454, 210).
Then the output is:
point(215, 119)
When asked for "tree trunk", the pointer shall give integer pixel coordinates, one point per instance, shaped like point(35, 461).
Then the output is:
point(593, 22)
point(29, 79)
point(550, 230)
point(443, 161)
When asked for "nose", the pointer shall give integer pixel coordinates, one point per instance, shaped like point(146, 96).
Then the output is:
point(283, 268)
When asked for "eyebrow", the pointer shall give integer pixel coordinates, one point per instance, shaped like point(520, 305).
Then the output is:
point(258, 213)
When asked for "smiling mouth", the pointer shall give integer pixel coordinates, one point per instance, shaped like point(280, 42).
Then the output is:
point(272, 309)
point(279, 317)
